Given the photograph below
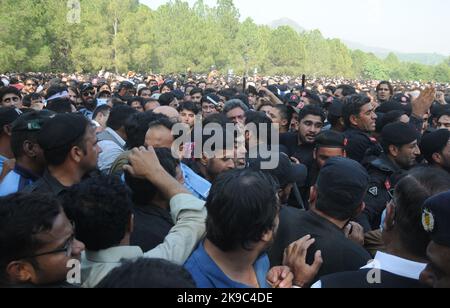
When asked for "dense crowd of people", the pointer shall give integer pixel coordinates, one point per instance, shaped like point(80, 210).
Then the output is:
point(93, 171)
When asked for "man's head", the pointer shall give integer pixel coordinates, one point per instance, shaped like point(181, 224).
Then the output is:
point(329, 144)
point(311, 120)
point(210, 105)
point(159, 134)
point(188, 111)
point(101, 115)
point(137, 127)
point(340, 189)
point(25, 132)
point(143, 191)
point(343, 91)
point(37, 241)
point(70, 139)
point(403, 223)
point(443, 120)
point(385, 91)
point(10, 97)
point(400, 143)
point(358, 112)
point(126, 89)
point(247, 219)
point(7, 116)
point(118, 118)
point(235, 111)
point(282, 115)
point(101, 209)
point(88, 93)
point(168, 99)
point(169, 112)
point(196, 95)
point(435, 218)
point(30, 86)
point(435, 147)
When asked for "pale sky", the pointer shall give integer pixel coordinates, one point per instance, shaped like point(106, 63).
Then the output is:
point(401, 25)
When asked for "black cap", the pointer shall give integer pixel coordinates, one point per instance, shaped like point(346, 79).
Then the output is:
point(32, 121)
point(211, 99)
point(435, 218)
point(62, 130)
point(401, 98)
point(286, 172)
point(345, 179)
point(434, 142)
point(8, 115)
point(392, 106)
point(166, 98)
point(331, 139)
point(126, 85)
point(86, 86)
point(399, 134)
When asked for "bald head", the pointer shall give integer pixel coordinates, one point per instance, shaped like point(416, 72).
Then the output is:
point(169, 112)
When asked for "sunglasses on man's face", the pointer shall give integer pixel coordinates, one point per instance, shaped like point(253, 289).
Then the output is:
point(89, 93)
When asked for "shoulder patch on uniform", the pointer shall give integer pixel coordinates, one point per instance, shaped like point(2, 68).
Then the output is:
point(373, 191)
point(428, 220)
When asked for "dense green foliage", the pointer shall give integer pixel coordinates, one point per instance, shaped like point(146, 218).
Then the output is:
point(122, 35)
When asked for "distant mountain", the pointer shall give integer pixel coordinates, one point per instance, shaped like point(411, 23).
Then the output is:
point(287, 22)
point(423, 58)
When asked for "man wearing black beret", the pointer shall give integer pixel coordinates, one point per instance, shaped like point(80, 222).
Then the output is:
point(70, 148)
point(399, 142)
point(435, 147)
point(435, 220)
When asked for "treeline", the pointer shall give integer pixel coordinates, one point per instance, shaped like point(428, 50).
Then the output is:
point(123, 35)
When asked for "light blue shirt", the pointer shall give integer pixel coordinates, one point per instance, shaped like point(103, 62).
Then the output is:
point(197, 185)
point(207, 274)
point(10, 184)
point(2, 161)
point(110, 151)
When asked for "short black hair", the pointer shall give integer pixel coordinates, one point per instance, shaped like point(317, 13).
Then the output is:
point(101, 208)
point(22, 218)
point(169, 85)
point(238, 220)
point(411, 193)
point(148, 273)
point(311, 110)
point(119, 116)
point(347, 90)
point(285, 112)
point(9, 90)
point(137, 126)
point(196, 91)
point(330, 139)
point(144, 191)
point(389, 118)
point(139, 99)
point(189, 106)
point(101, 109)
point(352, 107)
point(60, 105)
point(142, 90)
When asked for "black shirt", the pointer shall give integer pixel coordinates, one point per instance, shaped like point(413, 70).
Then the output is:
point(339, 253)
point(151, 225)
point(47, 185)
point(293, 148)
point(360, 145)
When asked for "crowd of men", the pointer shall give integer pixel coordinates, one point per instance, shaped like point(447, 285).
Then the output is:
point(91, 172)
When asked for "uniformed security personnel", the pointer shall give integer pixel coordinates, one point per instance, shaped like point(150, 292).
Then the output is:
point(399, 142)
point(435, 220)
point(30, 161)
point(360, 121)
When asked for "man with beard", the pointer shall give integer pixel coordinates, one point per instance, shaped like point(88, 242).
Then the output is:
point(401, 150)
point(435, 147)
point(89, 102)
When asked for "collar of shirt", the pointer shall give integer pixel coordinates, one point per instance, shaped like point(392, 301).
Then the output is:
point(397, 266)
point(116, 136)
point(25, 173)
point(114, 254)
point(210, 269)
point(53, 183)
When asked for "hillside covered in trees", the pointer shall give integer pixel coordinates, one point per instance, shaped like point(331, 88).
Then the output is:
point(122, 35)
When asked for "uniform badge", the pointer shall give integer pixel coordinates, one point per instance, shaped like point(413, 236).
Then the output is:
point(374, 191)
point(428, 220)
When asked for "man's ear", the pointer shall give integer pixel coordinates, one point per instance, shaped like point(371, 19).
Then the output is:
point(7, 129)
point(131, 224)
point(76, 154)
point(354, 120)
point(437, 158)
point(393, 150)
point(360, 209)
point(29, 149)
point(20, 272)
point(313, 196)
point(267, 236)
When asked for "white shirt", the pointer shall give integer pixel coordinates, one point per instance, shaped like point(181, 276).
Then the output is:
point(391, 264)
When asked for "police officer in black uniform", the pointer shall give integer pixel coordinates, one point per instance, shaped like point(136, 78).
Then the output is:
point(399, 142)
point(360, 121)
